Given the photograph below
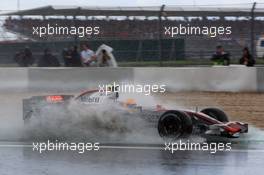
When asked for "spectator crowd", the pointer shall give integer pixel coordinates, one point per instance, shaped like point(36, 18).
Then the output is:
point(220, 57)
point(128, 29)
point(71, 57)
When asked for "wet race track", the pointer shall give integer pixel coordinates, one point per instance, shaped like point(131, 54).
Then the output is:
point(141, 153)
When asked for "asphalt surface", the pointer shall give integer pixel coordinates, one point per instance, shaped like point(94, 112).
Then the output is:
point(143, 160)
point(17, 157)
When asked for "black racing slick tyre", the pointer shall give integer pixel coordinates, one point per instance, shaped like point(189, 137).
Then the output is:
point(175, 124)
point(216, 113)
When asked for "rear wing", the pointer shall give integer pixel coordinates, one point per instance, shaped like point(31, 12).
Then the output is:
point(30, 105)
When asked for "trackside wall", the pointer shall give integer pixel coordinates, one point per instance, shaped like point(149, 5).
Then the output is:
point(233, 79)
point(13, 79)
point(229, 79)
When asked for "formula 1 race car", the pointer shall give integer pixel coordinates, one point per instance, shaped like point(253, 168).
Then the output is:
point(171, 124)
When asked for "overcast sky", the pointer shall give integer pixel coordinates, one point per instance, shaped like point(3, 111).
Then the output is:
point(26, 4)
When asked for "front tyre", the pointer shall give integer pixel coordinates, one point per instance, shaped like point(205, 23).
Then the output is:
point(216, 113)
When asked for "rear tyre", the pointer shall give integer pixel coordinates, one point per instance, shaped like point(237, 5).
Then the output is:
point(174, 125)
point(216, 113)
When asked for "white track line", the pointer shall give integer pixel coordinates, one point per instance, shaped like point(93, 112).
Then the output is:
point(140, 148)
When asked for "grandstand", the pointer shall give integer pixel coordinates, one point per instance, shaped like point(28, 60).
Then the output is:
point(137, 25)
